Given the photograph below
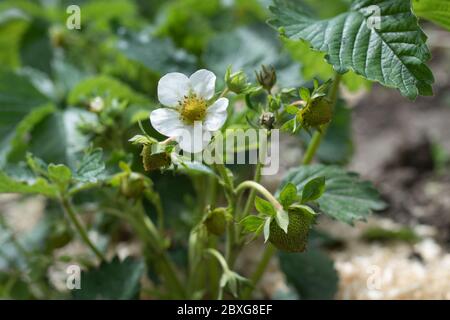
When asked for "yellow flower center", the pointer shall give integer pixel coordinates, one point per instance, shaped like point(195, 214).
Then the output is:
point(192, 109)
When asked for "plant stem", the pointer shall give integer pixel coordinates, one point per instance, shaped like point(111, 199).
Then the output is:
point(260, 269)
point(212, 194)
point(309, 155)
point(213, 271)
point(248, 205)
point(262, 190)
point(251, 196)
point(153, 240)
point(65, 203)
point(231, 238)
point(319, 134)
point(224, 92)
point(155, 199)
point(149, 235)
point(231, 198)
point(228, 184)
point(312, 147)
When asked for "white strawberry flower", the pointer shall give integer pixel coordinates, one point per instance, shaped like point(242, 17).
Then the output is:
point(190, 115)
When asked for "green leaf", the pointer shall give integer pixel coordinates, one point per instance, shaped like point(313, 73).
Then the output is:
point(60, 175)
point(13, 23)
point(346, 197)
point(311, 273)
point(282, 219)
point(38, 166)
point(354, 82)
point(21, 107)
point(313, 189)
point(104, 86)
point(91, 166)
point(312, 62)
point(20, 180)
point(303, 208)
point(36, 50)
point(158, 55)
point(252, 224)
point(288, 195)
point(313, 66)
point(196, 168)
point(247, 49)
point(101, 14)
point(140, 139)
point(189, 22)
point(264, 206)
point(291, 109)
point(19, 142)
point(267, 228)
point(305, 94)
point(58, 138)
point(437, 11)
point(66, 76)
point(393, 53)
point(114, 280)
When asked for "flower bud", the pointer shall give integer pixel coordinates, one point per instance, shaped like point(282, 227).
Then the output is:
point(267, 77)
point(236, 82)
point(267, 120)
point(132, 185)
point(216, 221)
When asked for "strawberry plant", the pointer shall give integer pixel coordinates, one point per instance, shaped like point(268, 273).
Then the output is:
point(155, 128)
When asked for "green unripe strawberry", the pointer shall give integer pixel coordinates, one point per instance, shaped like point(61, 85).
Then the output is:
point(153, 161)
point(296, 238)
point(316, 113)
point(59, 237)
point(216, 221)
point(132, 185)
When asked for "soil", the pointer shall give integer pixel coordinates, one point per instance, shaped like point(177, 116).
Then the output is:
point(395, 145)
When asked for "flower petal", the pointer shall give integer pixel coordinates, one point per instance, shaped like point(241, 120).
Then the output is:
point(193, 139)
point(166, 121)
point(203, 83)
point(172, 88)
point(216, 115)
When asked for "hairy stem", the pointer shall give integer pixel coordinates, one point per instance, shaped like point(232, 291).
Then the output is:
point(269, 251)
point(70, 212)
point(231, 198)
point(149, 235)
point(152, 237)
point(245, 211)
point(262, 190)
point(155, 199)
point(224, 92)
point(214, 276)
point(251, 196)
